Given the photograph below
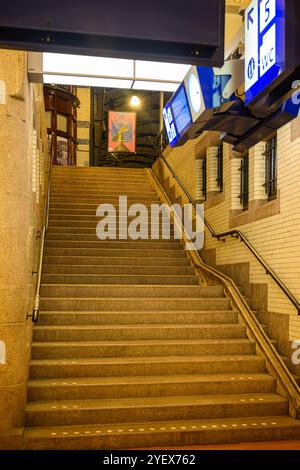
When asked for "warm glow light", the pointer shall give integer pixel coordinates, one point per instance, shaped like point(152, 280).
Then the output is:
point(79, 70)
point(86, 65)
point(159, 71)
point(155, 86)
point(87, 81)
point(135, 101)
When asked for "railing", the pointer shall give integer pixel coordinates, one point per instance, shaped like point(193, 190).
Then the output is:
point(274, 362)
point(239, 235)
point(162, 141)
point(36, 306)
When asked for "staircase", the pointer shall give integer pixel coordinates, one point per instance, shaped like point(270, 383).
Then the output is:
point(131, 349)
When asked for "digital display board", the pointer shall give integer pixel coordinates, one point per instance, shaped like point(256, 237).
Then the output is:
point(177, 116)
point(170, 126)
point(181, 111)
point(264, 45)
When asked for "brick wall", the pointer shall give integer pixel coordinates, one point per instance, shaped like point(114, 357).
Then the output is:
point(272, 227)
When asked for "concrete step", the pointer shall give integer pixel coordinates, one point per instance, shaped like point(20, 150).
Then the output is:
point(116, 244)
point(130, 192)
point(129, 261)
point(105, 179)
point(72, 412)
point(124, 292)
point(115, 253)
point(75, 170)
point(57, 214)
point(151, 386)
point(88, 201)
point(84, 229)
point(65, 194)
point(119, 279)
point(107, 198)
point(142, 318)
point(92, 237)
point(162, 434)
point(125, 178)
point(136, 332)
point(97, 171)
point(55, 223)
point(132, 304)
point(118, 271)
point(141, 348)
point(142, 366)
point(91, 207)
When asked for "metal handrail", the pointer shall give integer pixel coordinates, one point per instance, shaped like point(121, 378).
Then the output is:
point(275, 364)
point(36, 306)
point(239, 235)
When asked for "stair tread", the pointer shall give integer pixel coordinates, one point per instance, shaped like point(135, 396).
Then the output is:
point(168, 276)
point(214, 425)
point(154, 379)
point(122, 257)
point(139, 326)
point(145, 402)
point(146, 360)
point(134, 298)
point(141, 342)
point(138, 286)
point(146, 312)
point(164, 390)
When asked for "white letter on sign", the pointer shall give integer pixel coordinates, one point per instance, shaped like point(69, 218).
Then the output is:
point(268, 51)
point(267, 13)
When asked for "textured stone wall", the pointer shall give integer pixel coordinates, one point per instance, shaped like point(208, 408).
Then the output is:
point(23, 153)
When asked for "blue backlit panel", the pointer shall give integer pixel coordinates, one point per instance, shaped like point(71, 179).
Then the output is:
point(177, 116)
point(170, 126)
point(265, 57)
point(181, 111)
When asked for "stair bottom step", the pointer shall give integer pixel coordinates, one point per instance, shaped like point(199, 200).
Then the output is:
point(162, 434)
point(72, 412)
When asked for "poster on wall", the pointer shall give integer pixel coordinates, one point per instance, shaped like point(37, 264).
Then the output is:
point(122, 132)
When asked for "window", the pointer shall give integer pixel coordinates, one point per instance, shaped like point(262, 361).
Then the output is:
point(244, 169)
point(62, 123)
point(204, 172)
point(271, 168)
point(49, 119)
point(220, 168)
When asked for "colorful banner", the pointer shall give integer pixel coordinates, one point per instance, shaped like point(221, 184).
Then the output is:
point(122, 132)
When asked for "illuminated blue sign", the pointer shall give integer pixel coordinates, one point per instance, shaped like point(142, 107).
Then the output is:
point(177, 116)
point(264, 46)
point(203, 90)
point(170, 125)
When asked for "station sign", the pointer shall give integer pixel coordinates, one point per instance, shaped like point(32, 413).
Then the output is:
point(177, 116)
point(203, 90)
point(265, 46)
